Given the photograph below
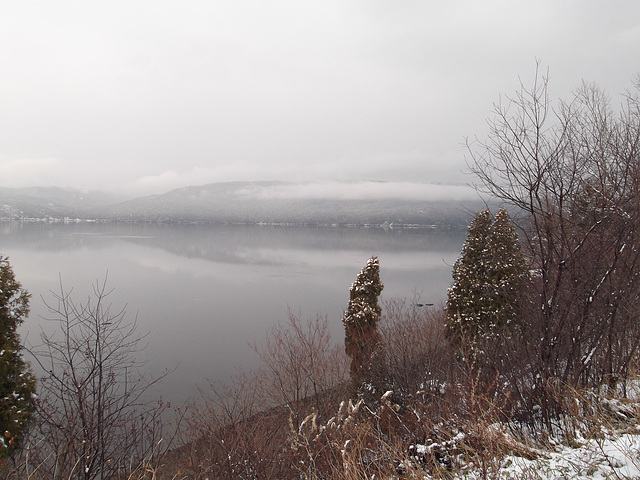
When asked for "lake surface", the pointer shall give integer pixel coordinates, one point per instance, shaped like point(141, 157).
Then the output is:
point(205, 291)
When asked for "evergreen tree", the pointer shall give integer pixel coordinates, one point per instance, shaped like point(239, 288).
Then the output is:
point(487, 281)
point(362, 339)
point(509, 272)
point(466, 301)
point(17, 382)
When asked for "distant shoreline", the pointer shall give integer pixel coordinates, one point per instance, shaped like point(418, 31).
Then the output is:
point(384, 226)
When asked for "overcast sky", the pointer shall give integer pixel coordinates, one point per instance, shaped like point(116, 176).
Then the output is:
point(146, 96)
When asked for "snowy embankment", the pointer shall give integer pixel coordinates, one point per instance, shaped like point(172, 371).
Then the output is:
point(603, 448)
point(614, 456)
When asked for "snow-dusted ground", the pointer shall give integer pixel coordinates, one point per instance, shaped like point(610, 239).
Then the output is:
point(612, 454)
point(613, 457)
point(611, 449)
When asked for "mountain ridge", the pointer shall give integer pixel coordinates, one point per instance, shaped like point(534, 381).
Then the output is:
point(238, 202)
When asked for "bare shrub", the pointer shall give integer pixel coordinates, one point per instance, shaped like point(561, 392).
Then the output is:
point(231, 435)
point(302, 367)
point(95, 418)
point(417, 354)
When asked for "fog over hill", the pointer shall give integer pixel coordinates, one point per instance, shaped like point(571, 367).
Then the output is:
point(52, 202)
point(257, 202)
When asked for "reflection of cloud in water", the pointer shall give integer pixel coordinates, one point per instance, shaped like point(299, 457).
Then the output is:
point(232, 243)
point(167, 262)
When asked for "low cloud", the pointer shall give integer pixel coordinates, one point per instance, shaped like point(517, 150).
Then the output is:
point(386, 173)
point(364, 190)
point(157, 183)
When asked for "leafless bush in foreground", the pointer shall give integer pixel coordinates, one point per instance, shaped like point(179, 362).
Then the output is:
point(417, 354)
point(95, 418)
point(302, 366)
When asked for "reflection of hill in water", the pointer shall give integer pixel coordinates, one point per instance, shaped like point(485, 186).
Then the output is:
point(225, 243)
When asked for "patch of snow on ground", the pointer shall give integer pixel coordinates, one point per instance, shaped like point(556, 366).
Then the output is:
point(615, 457)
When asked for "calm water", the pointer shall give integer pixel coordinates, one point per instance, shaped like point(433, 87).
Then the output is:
point(204, 292)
